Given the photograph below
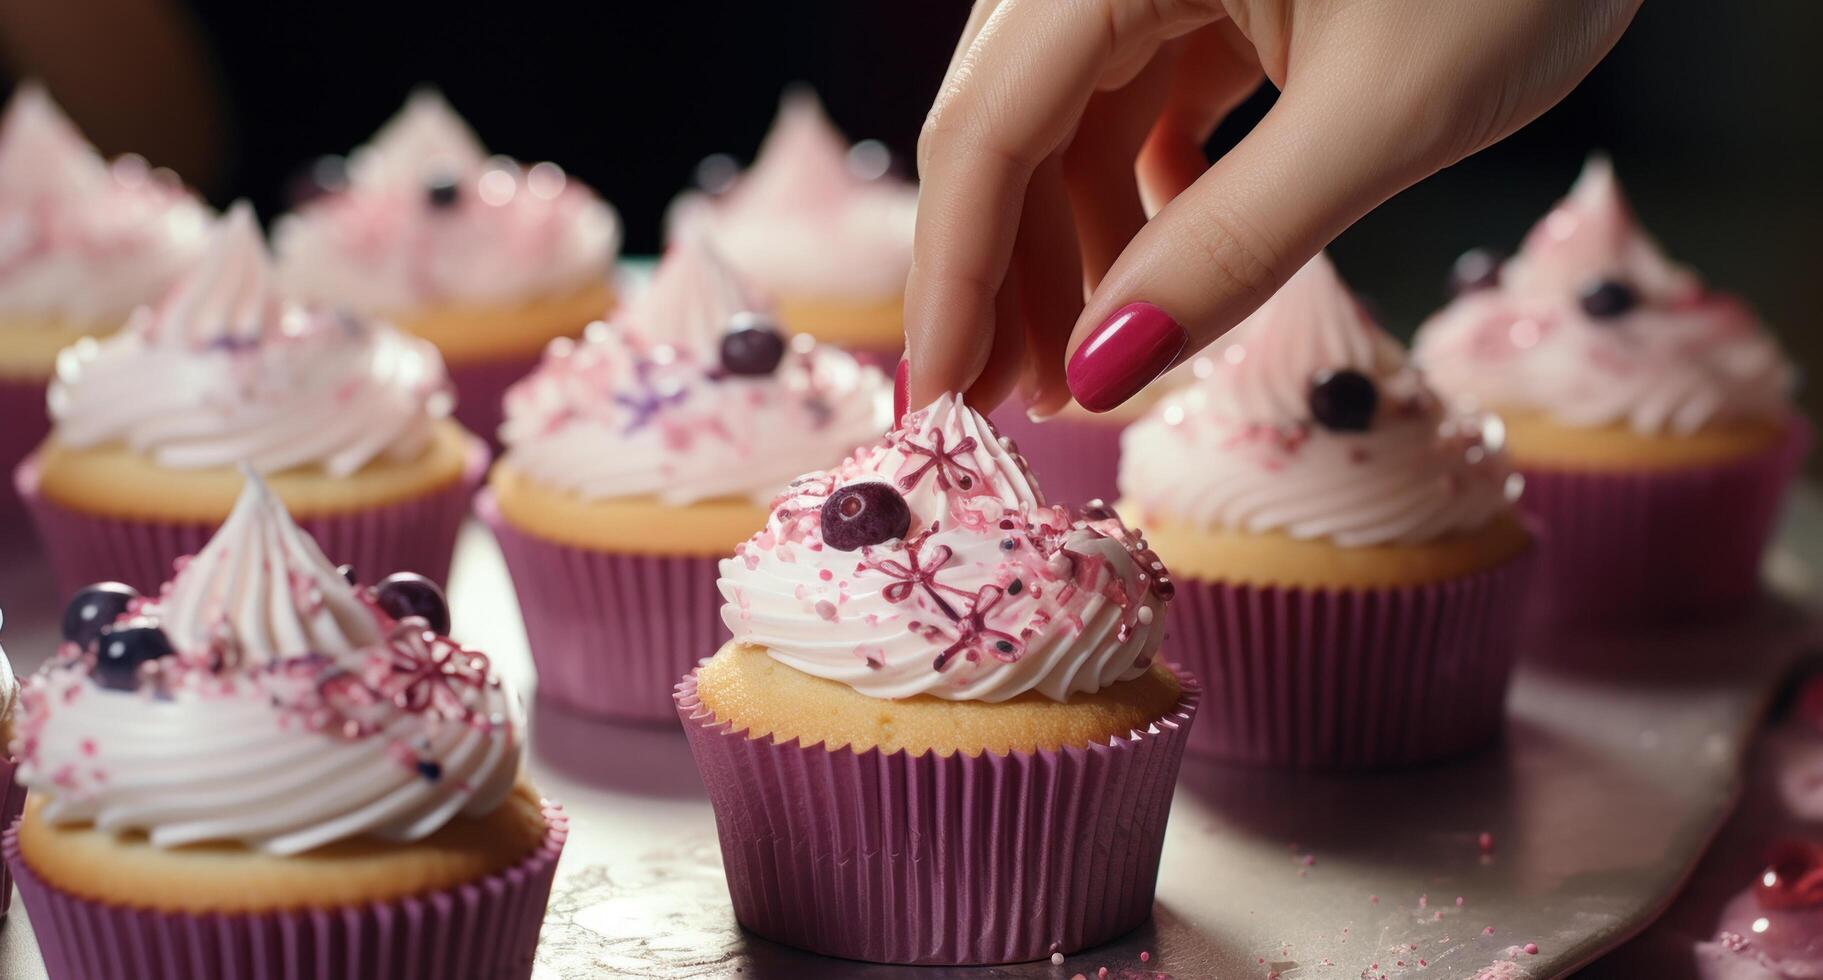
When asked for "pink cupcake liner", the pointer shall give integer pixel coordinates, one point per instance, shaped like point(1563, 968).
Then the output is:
point(487, 929)
point(1655, 547)
point(411, 535)
point(23, 424)
point(931, 859)
point(1350, 678)
point(481, 387)
point(12, 803)
point(1075, 461)
point(610, 632)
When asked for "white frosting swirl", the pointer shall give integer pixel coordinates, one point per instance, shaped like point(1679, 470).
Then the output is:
point(79, 238)
point(990, 594)
point(801, 221)
point(1239, 448)
point(281, 729)
point(510, 234)
point(238, 374)
point(623, 413)
point(1680, 360)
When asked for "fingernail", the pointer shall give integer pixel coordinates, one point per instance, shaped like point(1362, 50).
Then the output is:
point(900, 397)
point(1123, 355)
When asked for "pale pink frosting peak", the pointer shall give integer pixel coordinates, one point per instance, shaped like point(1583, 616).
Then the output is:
point(1245, 448)
point(426, 139)
point(988, 594)
point(230, 298)
point(1592, 233)
point(42, 155)
point(693, 298)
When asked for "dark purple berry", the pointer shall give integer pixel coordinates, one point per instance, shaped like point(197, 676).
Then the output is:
point(404, 594)
point(442, 191)
point(863, 514)
point(430, 770)
point(1015, 587)
point(120, 650)
point(1607, 298)
point(753, 346)
point(1344, 401)
point(93, 609)
point(347, 573)
point(1475, 269)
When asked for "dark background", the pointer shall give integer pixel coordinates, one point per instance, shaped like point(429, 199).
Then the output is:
point(1710, 112)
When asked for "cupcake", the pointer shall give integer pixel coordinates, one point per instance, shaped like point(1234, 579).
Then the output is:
point(942, 733)
point(1349, 563)
point(12, 795)
point(82, 242)
point(1652, 418)
point(347, 417)
point(639, 456)
point(266, 770)
point(1076, 452)
point(818, 226)
point(488, 259)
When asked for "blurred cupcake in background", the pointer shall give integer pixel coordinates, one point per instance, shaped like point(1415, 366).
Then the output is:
point(1651, 416)
point(817, 225)
point(1349, 564)
point(943, 732)
point(347, 417)
point(1076, 452)
point(639, 456)
point(485, 257)
point(265, 770)
point(82, 242)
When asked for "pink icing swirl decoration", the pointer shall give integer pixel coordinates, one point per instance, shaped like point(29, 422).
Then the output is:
point(984, 594)
point(1591, 325)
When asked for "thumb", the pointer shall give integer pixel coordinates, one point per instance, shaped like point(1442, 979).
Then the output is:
point(1216, 252)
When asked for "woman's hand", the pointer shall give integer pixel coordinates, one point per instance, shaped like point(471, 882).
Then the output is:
point(1061, 123)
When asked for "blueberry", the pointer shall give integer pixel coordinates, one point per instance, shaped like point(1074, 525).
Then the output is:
point(864, 514)
point(1606, 298)
point(93, 609)
point(753, 346)
point(347, 573)
point(121, 649)
point(1475, 269)
point(442, 191)
point(403, 594)
point(1344, 401)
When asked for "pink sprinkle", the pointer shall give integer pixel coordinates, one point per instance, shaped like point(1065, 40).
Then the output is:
point(826, 609)
point(88, 747)
point(1423, 963)
point(1056, 959)
point(1458, 901)
point(1102, 972)
point(825, 575)
point(1486, 842)
point(1309, 859)
point(1436, 916)
point(1531, 949)
point(1373, 899)
point(1079, 977)
point(1489, 931)
point(1424, 901)
point(1147, 957)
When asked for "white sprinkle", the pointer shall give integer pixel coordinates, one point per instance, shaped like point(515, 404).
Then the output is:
point(1056, 959)
point(1145, 615)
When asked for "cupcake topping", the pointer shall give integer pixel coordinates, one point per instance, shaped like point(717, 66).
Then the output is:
point(689, 394)
point(805, 220)
point(930, 564)
point(1308, 421)
point(262, 699)
point(79, 237)
point(243, 374)
point(428, 218)
point(1592, 325)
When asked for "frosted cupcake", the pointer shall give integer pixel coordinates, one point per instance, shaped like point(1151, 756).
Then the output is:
point(639, 456)
point(12, 795)
point(1076, 452)
point(484, 257)
point(942, 696)
point(1652, 418)
point(262, 771)
point(1349, 562)
point(347, 417)
point(819, 227)
point(82, 242)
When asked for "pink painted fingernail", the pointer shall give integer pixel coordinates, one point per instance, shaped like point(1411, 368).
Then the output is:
point(900, 397)
point(1123, 355)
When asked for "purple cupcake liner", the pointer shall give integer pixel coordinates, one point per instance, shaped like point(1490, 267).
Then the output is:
point(1075, 461)
point(410, 535)
point(1657, 546)
point(1350, 678)
point(23, 425)
point(487, 929)
point(12, 803)
point(480, 389)
point(610, 632)
point(931, 859)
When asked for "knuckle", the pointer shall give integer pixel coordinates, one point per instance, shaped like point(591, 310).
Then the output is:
point(1234, 256)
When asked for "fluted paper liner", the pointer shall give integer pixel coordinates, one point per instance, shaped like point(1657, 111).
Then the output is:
point(1644, 547)
point(931, 859)
point(610, 632)
point(487, 930)
point(23, 425)
point(417, 535)
point(12, 803)
point(1350, 678)
point(1076, 461)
